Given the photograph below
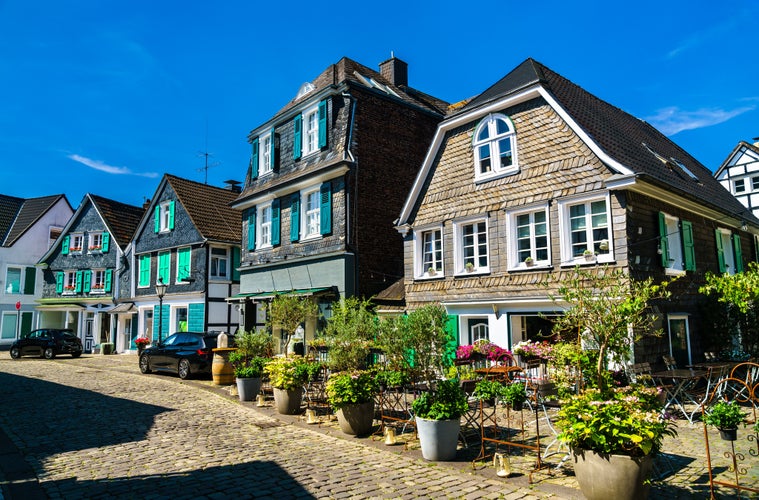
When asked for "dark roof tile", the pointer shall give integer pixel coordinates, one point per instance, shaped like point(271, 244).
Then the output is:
point(121, 219)
point(208, 208)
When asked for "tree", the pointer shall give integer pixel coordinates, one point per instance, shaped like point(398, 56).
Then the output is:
point(350, 331)
point(609, 310)
point(289, 311)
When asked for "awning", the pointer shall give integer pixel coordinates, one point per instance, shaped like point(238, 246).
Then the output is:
point(122, 308)
point(273, 293)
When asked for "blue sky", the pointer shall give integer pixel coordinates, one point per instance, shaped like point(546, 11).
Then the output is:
point(105, 97)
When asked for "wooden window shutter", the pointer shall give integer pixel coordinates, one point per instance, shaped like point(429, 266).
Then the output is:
point(322, 123)
point(196, 317)
point(86, 281)
point(297, 136)
point(325, 212)
point(275, 226)
point(183, 263)
point(273, 150)
point(106, 242)
point(720, 251)
point(157, 219)
point(30, 280)
point(171, 214)
point(663, 242)
point(78, 284)
point(65, 245)
point(452, 329)
point(689, 248)
point(235, 263)
point(252, 228)
point(59, 276)
point(254, 159)
point(144, 270)
point(295, 217)
point(108, 280)
point(738, 253)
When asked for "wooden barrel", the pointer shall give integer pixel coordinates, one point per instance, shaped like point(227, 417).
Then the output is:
point(221, 369)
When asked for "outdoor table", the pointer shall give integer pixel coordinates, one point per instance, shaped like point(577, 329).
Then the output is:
point(683, 380)
point(706, 365)
point(499, 372)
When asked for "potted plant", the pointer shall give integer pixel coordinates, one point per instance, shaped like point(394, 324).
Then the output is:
point(391, 379)
point(469, 267)
point(529, 262)
point(725, 416)
point(351, 394)
point(438, 419)
point(588, 255)
point(141, 343)
point(248, 372)
point(431, 271)
point(351, 331)
point(287, 376)
point(488, 391)
point(515, 394)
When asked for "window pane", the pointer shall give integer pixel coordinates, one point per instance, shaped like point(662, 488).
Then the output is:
point(484, 133)
point(504, 147)
point(485, 158)
point(501, 126)
point(13, 280)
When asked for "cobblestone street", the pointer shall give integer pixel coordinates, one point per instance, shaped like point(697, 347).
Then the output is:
point(95, 427)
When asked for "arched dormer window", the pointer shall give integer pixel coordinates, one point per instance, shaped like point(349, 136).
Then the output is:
point(494, 147)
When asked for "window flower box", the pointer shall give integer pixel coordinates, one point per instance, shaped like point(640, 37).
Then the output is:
point(94, 247)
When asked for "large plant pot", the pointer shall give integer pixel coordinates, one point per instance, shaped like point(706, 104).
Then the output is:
point(618, 477)
point(438, 438)
point(356, 419)
point(287, 402)
point(248, 388)
point(222, 371)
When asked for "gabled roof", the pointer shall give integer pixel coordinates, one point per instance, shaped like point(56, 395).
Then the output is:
point(208, 208)
point(17, 215)
point(120, 219)
point(628, 145)
point(742, 146)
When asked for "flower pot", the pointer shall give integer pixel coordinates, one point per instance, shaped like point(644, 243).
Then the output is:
point(438, 438)
point(248, 388)
point(728, 434)
point(517, 406)
point(287, 401)
point(620, 477)
point(356, 419)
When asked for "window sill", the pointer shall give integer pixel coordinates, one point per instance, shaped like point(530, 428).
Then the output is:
point(532, 267)
point(311, 237)
point(96, 292)
point(674, 272)
point(426, 276)
point(474, 272)
point(587, 262)
point(478, 179)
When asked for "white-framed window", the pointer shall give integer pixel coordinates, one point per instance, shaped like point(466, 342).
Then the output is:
point(219, 263)
point(471, 246)
point(755, 183)
point(264, 226)
point(97, 285)
point(494, 144)
point(585, 228)
point(69, 282)
point(739, 185)
point(429, 252)
point(676, 245)
point(529, 238)
point(478, 329)
point(165, 216)
point(267, 162)
point(13, 277)
point(76, 243)
point(96, 242)
point(729, 253)
point(311, 130)
point(311, 220)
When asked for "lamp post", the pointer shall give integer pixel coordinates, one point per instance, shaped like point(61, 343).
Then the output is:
point(160, 290)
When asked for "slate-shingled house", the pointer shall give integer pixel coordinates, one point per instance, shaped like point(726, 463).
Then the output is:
point(535, 176)
point(27, 229)
point(328, 174)
point(85, 269)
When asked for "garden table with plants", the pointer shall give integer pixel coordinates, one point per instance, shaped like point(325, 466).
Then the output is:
point(503, 373)
point(682, 380)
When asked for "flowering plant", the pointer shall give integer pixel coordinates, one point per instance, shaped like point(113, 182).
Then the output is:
point(491, 351)
point(628, 421)
point(346, 388)
point(287, 373)
point(142, 341)
point(94, 247)
point(69, 287)
point(534, 350)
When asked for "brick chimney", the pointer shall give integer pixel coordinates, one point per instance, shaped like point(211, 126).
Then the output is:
point(395, 70)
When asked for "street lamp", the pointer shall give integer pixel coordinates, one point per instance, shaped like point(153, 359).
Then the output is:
point(160, 290)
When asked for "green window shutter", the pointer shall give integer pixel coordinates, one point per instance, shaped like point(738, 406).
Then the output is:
point(144, 270)
point(65, 245)
point(78, 285)
point(171, 214)
point(30, 280)
point(295, 217)
point(273, 151)
point(738, 253)
point(756, 248)
point(106, 245)
point(86, 280)
point(689, 248)
point(59, 276)
point(183, 263)
point(720, 251)
point(275, 226)
point(196, 317)
point(452, 328)
point(235, 263)
point(254, 159)
point(164, 267)
point(157, 219)
point(252, 228)
point(162, 315)
point(322, 124)
point(326, 208)
point(108, 280)
point(663, 242)
point(297, 136)
point(26, 323)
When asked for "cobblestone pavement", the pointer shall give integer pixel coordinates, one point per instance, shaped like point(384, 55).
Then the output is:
point(95, 427)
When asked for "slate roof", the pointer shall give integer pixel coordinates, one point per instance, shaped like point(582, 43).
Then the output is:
point(741, 145)
point(17, 215)
point(208, 208)
point(121, 219)
point(625, 138)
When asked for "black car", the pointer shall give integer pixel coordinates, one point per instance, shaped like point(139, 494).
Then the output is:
point(47, 343)
point(184, 353)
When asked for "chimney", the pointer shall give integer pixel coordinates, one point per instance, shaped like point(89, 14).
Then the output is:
point(145, 203)
point(395, 70)
point(233, 185)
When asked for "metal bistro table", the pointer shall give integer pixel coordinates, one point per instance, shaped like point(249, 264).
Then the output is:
point(682, 381)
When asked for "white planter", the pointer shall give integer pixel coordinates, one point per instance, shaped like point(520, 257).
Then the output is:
point(438, 438)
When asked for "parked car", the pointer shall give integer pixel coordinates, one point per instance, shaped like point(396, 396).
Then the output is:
point(47, 343)
point(184, 353)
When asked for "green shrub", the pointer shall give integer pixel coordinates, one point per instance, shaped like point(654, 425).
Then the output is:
point(448, 401)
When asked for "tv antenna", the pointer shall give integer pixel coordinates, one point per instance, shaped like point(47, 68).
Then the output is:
point(206, 155)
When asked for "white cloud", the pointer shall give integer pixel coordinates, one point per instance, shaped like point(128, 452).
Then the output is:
point(672, 120)
point(109, 169)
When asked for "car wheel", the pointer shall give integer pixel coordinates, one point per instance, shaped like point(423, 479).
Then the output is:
point(76, 354)
point(184, 369)
point(145, 363)
point(15, 352)
point(49, 353)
